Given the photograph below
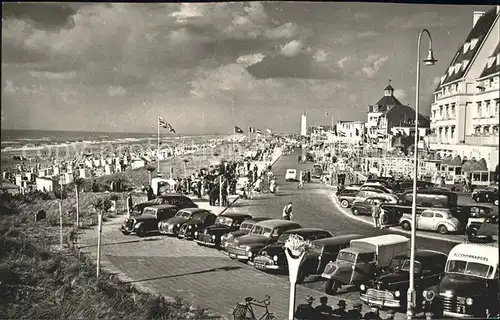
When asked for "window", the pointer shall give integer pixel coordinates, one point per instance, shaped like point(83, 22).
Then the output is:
point(446, 115)
point(452, 132)
point(495, 82)
point(453, 88)
point(486, 130)
point(441, 112)
point(479, 110)
point(487, 108)
point(495, 129)
point(438, 215)
point(453, 111)
point(477, 130)
point(496, 107)
point(427, 214)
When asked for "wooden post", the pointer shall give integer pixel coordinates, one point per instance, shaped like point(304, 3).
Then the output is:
point(77, 206)
point(60, 224)
point(99, 230)
point(220, 191)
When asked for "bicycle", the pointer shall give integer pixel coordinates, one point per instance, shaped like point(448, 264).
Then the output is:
point(244, 310)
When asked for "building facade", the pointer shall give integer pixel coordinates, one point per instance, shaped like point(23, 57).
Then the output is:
point(351, 131)
point(303, 125)
point(465, 111)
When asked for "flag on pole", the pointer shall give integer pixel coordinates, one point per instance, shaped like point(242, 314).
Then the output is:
point(251, 130)
point(258, 131)
point(238, 130)
point(164, 124)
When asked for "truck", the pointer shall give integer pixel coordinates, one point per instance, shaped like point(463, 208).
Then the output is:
point(362, 261)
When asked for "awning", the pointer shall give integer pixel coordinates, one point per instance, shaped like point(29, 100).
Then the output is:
point(456, 162)
point(483, 164)
point(447, 160)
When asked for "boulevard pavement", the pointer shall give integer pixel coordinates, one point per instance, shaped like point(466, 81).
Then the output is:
point(207, 277)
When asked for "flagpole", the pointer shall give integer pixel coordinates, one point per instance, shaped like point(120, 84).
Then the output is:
point(158, 148)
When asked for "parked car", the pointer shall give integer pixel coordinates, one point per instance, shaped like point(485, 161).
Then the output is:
point(477, 215)
point(440, 220)
point(272, 257)
point(179, 200)
point(147, 222)
point(372, 192)
point(225, 223)
point(197, 222)
point(400, 186)
point(489, 194)
point(365, 207)
point(317, 171)
point(291, 175)
point(362, 260)
point(346, 196)
point(469, 287)
point(372, 186)
point(172, 226)
point(244, 229)
point(389, 289)
point(262, 234)
point(487, 232)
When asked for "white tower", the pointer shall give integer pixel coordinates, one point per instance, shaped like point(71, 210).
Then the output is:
point(303, 125)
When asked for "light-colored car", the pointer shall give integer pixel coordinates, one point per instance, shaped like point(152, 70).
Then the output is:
point(440, 220)
point(291, 175)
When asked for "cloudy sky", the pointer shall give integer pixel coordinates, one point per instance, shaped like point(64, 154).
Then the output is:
point(202, 67)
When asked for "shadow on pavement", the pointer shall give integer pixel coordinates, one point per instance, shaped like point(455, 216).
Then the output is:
point(120, 242)
point(225, 268)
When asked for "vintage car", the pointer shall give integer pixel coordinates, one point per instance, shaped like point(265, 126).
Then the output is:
point(225, 223)
point(173, 225)
point(198, 221)
point(147, 222)
point(489, 194)
point(291, 175)
point(477, 215)
point(369, 186)
point(262, 234)
point(365, 194)
point(272, 257)
point(487, 232)
point(469, 287)
point(439, 220)
point(176, 199)
point(365, 207)
point(346, 196)
point(362, 261)
point(244, 229)
point(389, 289)
point(400, 186)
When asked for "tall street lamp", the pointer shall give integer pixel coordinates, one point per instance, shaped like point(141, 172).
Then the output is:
point(429, 61)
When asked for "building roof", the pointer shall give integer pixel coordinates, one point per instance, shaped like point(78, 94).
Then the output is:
point(388, 101)
point(477, 36)
point(389, 87)
point(403, 114)
point(495, 66)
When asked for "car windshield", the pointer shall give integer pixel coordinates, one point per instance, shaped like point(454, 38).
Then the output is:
point(284, 237)
point(405, 266)
point(183, 214)
point(224, 221)
point(473, 269)
point(257, 230)
point(149, 211)
point(266, 232)
point(246, 226)
point(197, 217)
point(346, 256)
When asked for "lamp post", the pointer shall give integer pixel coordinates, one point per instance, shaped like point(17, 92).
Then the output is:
point(429, 61)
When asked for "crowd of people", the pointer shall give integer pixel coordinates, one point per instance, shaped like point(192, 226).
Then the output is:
point(323, 311)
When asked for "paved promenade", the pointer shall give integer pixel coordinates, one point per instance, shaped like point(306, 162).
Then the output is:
point(207, 278)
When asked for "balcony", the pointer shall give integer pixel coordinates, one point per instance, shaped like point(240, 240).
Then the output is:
point(489, 140)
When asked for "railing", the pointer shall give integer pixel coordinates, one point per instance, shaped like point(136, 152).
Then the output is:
point(491, 140)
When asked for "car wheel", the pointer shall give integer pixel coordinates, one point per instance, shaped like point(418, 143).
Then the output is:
point(331, 287)
point(355, 212)
point(442, 229)
point(344, 203)
point(495, 202)
point(406, 225)
point(141, 232)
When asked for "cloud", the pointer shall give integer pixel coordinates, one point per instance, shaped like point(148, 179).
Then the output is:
point(285, 31)
point(372, 64)
point(52, 75)
point(342, 61)
point(320, 56)
point(250, 59)
point(400, 94)
point(423, 20)
point(292, 48)
point(116, 91)
point(367, 34)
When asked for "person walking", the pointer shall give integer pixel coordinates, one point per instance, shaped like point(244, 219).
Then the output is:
point(340, 311)
point(324, 311)
point(287, 211)
point(382, 216)
point(130, 205)
point(306, 311)
point(376, 215)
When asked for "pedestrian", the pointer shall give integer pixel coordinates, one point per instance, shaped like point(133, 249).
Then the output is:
point(355, 312)
point(130, 205)
point(324, 311)
point(382, 216)
point(376, 214)
point(150, 193)
point(287, 211)
point(340, 311)
point(306, 311)
point(373, 314)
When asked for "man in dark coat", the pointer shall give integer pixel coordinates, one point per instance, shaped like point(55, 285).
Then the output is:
point(198, 189)
point(151, 194)
point(355, 312)
point(324, 311)
point(213, 195)
point(340, 311)
point(373, 314)
point(308, 176)
point(306, 311)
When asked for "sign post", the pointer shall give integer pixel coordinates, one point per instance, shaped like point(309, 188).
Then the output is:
point(99, 230)
point(295, 250)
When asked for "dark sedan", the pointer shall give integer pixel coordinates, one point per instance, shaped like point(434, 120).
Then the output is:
point(175, 199)
point(172, 226)
point(272, 257)
point(225, 223)
point(147, 222)
point(365, 207)
point(489, 194)
point(389, 289)
point(244, 229)
point(198, 221)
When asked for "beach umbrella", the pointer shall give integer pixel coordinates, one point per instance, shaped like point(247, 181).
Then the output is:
point(483, 164)
point(456, 162)
point(447, 160)
point(467, 166)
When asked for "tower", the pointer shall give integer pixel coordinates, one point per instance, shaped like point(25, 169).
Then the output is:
point(303, 125)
